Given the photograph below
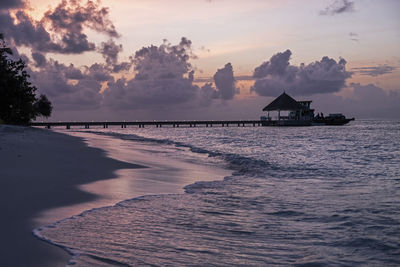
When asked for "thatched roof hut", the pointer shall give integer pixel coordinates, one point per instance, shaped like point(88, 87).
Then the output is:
point(283, 102)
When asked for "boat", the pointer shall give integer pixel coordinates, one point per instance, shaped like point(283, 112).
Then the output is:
point(332, 119)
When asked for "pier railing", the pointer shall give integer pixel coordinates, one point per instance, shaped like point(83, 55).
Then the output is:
point(142, 124)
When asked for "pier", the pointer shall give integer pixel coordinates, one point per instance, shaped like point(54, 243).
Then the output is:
point(300, 114)
point(158, 124)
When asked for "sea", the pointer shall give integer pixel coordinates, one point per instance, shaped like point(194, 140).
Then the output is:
point(296, 196)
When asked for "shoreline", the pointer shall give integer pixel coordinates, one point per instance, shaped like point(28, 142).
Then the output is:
point(41, 170)
point(158, 175)
point(105, 171)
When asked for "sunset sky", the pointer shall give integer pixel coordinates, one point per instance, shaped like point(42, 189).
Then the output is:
point(84, 56)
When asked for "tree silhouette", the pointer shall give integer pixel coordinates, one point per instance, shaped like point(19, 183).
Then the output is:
point(18, 101)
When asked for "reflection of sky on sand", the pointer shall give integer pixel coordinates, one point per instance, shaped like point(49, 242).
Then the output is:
point(162, 173)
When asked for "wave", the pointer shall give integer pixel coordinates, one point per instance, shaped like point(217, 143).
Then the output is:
point(330, 219)
point(240, 164)
point(94, 260)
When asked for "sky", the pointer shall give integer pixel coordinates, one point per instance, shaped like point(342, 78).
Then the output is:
point(207, 59)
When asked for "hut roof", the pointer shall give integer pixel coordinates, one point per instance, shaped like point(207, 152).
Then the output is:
point(283, 102)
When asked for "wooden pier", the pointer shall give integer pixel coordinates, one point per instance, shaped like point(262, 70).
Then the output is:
point(158, 124)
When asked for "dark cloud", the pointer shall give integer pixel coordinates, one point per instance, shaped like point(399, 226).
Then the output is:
point(163, 62)
point(99, 72)
point(69, 87)
point(73, 73)
point(9, 4)
point(275, 66)
point(207, 93)
point(72, 15)
point(144, 94)
point(61, 30)
point(225, 82)
point(375, 71)
point(163, 74)
point(39, 58)
point(277, 75)
point(163, 78)
point(338, 7)
point(69, 19)
point(55, 81)
point(27, 32)
point(369, 91)
point(123, 66)
point(110, 51)
point(366, 102)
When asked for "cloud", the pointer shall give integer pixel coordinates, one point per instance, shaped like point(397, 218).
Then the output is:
point(163, 75)
point(244, 78)
point(163, 78)
point(68, 20)
point(207, 93)
point(375, 71)
point(9, 4)
point(275, 66)
point(366, 102)
point(74, 16)
point(54, 81)
point(123, 66)
point(70, 87)
point(224, 86)
point(276, 75)
point(354, 36)
point(61, 30)
point(27, 32)
point(164, 62)
point(225, 82)
point(39, 58)
point(205, 49)
point(338, 7)
point(110, 51)
point(237, 78)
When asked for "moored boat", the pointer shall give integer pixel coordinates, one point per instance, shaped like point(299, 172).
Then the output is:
point(332, 119)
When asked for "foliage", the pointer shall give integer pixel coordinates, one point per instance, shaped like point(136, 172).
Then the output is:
point(18, 101)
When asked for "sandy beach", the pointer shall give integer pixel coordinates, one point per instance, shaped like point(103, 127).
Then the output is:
point(47, 176)
point(40, 170)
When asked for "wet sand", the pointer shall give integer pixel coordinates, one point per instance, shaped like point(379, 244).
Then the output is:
point(40, 170)
point(47, 176)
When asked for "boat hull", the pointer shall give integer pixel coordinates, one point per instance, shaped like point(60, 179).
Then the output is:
point(331, 121)
point(315, 122)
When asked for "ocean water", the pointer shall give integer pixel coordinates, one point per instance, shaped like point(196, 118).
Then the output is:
point(312, 196)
